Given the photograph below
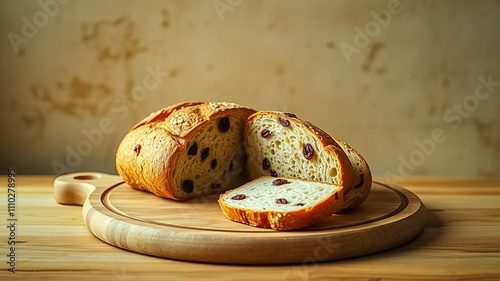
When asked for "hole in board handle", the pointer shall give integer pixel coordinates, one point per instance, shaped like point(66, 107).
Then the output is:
point(87, 177)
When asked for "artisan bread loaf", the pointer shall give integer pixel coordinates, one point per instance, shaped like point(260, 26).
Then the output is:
point(281, 203)
point(362, 178)
point(186, 150)
point(283, 145)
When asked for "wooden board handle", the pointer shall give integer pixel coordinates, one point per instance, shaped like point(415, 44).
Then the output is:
point(197, 230)
point(75, 188)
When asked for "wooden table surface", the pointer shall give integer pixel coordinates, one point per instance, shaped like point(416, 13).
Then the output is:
point(461, 241)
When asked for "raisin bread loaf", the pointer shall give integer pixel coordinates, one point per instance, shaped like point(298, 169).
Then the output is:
point(283, 145)
point(362, 179)
point(186, 150)
point(281, 203)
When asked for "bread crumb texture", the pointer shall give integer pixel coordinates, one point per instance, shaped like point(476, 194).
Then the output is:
point(292, 151)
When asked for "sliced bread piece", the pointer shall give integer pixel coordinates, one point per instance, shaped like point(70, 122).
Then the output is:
point(186, 150)
point(362, 179)
point(281, 203)
point(283, 145)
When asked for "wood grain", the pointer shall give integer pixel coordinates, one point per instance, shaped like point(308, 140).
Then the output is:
point(460, 241)
point(196, 230)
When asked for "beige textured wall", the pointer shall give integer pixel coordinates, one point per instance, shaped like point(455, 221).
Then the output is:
point(413, 85)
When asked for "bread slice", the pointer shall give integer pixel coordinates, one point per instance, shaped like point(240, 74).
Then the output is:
point(362, 179)
point(281, 203)
point(283, 145)
point(186, 150)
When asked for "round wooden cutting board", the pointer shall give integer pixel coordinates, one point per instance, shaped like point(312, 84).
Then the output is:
point(196, 230)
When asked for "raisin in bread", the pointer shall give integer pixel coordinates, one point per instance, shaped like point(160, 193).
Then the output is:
point(281, 203)
point(283, 145)
point(186, 150)
point(362, 179)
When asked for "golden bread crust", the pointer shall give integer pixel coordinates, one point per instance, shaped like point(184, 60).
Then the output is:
point(283, 221)
point(147, 154)
point(330, 146)
point(362, 184)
